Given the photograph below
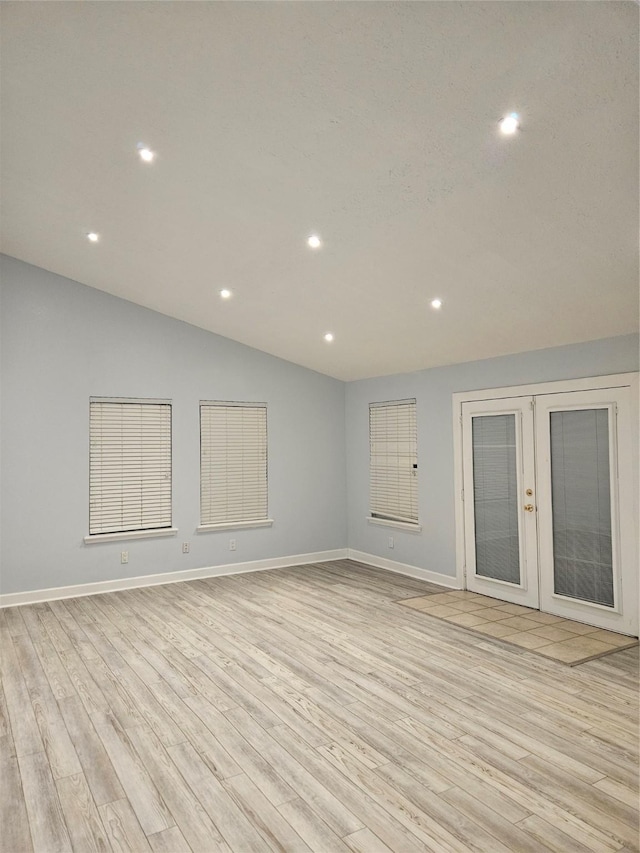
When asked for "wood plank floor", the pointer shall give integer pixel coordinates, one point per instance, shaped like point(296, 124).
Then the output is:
point(302, 709)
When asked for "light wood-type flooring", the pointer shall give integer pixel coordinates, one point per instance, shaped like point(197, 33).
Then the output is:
point(302, 709)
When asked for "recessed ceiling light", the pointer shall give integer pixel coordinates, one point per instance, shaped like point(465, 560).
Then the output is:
point(226, 294)
point(145, 153)
point(92, 237)
point(436, 303)
point(313, 241)
point(328, 337)
point(509, 124)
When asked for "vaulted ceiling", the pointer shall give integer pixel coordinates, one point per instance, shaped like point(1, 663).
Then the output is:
point(373, 125)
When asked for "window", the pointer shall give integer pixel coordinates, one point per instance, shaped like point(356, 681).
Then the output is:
point(233, 465)
point(129, 466)
point(393, 462)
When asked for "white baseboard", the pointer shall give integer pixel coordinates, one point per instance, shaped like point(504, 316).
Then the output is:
point(404, 569)
point(33, 597)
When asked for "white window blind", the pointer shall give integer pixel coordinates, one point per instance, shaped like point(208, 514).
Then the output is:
point(233, 463)
point(393, 461)
point(129, 466)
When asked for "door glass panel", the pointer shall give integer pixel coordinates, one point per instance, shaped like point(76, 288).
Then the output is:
point(581, 500)
point(495, 497)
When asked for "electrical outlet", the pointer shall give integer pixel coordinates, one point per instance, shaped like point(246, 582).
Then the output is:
point(186, 547)
point(232, 544)
point(124, 557)
point(390, 542)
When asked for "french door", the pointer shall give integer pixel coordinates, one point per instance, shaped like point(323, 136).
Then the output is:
point(500, 526)
point(548, 503)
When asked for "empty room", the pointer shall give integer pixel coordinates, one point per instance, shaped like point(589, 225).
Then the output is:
point(319, 367)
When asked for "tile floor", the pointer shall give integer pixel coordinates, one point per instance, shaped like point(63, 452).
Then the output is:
point(551, 636)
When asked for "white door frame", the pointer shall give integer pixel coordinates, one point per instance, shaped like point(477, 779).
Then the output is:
point(619, 380)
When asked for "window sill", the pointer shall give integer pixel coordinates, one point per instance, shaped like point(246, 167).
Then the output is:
point(233, 525)
point(411, 527)
point(94, 538)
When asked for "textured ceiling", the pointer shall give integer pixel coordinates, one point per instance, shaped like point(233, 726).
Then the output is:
point(372, 124)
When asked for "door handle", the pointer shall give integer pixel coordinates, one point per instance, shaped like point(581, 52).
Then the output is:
point(529, 507)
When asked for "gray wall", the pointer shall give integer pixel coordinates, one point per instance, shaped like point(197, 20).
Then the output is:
point(434, 547)
point(63, 342)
